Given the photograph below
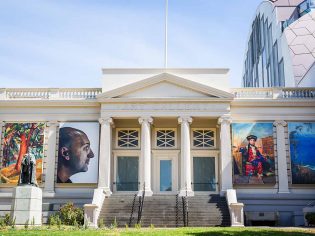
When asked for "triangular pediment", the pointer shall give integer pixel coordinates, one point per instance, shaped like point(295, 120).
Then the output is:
point(165, 85)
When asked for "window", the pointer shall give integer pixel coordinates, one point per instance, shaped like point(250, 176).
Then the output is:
point(275, 67)
point(281, 72)
point(128, 138)
point(203, 138)
point(165, 138)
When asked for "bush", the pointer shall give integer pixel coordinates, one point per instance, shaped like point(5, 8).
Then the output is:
point(71, 215)
point(54, 219)
point(7, 219)
point(310, 217)
point(2, 224)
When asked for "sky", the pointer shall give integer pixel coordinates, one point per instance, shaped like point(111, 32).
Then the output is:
point(66, 43)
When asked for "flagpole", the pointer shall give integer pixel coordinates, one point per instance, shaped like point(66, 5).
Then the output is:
point(166, 16)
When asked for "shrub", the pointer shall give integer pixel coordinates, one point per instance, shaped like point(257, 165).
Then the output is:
point(310, 217)
point(71, 215)
point(7, 219)
point(53, 219)
point(2, 223)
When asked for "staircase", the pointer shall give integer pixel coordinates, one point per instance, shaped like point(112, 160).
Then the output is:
point(208, 211)
point(160, 211)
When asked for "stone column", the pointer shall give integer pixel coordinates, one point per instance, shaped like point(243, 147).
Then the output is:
point(104, 163)
point(145, 123)
point(226, 154)
point(49, 187)
point(185, 157)
point(281, 157)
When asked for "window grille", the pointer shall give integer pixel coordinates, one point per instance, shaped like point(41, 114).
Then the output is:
point(203, 138)
point(128, 138)
point(165, 138)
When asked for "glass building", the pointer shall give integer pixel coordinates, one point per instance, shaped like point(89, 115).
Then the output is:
point(280, 50)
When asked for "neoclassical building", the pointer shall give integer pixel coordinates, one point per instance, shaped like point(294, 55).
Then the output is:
point(164, 134)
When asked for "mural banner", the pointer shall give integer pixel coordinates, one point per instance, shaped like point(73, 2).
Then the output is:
point(78, 153)
point(253, 153)
point(302, 143)
point(20, 139)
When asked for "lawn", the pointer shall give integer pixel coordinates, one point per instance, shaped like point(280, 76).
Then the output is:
point(265, 231)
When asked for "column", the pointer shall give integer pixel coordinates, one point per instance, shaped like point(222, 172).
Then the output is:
point(145, 123)
point(51, 157)
point(281, 157)
point(226, 154)
point(104, 163)
point(185, 189)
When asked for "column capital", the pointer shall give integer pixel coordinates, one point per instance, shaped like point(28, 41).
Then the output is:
point(106, 121)
point(2, 123)
point(225, 120)
point(280, 123)
point(183, 119)
point(145, 119)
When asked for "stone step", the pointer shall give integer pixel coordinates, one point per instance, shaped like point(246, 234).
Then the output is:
point(160, 210)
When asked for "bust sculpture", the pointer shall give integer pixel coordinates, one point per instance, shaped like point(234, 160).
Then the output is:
point(28, 170)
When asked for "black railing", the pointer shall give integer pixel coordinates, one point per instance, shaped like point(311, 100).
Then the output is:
point(185, 208)
point(132, 210)
point(141, 200)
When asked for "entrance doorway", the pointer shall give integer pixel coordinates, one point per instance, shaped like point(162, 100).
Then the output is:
point(204, 174)
point(165, 172)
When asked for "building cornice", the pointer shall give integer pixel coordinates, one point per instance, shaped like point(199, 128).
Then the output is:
point(49, 103)
point(273, 102)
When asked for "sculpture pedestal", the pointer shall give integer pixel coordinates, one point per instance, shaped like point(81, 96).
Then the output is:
point(27, 205)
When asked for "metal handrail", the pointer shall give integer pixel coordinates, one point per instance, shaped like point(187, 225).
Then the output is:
point(141, 200)
point(185, 208)
point(132, 210)
point(177, 210)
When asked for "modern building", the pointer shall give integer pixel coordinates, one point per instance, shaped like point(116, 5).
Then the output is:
point(167, 134)
point(281, 45)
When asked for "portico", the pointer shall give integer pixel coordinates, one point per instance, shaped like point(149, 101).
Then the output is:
point(169, 135)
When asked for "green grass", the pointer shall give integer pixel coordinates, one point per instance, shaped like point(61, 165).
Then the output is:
point(266, 231)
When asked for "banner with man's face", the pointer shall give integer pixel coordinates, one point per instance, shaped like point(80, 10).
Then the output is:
point(78, 153)
point(19, 140)
point(253, 153)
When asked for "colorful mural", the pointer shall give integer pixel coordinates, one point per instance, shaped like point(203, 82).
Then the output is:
point(78, 152)
point(20, 139)
point(302, 143)
point(253, 153)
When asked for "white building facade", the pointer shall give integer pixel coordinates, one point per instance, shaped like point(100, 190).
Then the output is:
point(165, 131)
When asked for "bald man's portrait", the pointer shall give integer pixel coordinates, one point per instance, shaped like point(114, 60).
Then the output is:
point(74, 153)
